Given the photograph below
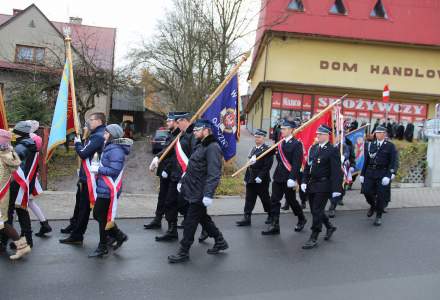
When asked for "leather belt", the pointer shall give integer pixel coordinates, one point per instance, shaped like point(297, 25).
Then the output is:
point(376, 167)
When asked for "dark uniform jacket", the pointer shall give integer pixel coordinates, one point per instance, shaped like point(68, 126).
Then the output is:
point(204, 171)
point(94, 144)
point(188, 142)
point(293, 151)
point(26, 150)
point(348, 152)
point(379, 162)
point(261, 168)
point(322, 172)
point(167, 163)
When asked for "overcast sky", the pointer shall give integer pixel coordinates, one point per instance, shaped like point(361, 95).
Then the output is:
point(134, 19)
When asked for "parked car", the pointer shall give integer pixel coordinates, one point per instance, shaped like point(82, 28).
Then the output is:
point(158, 140)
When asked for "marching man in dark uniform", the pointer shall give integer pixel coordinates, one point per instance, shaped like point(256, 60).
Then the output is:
point(163, 171)
point(286, 178)
point(257, 180)
point(379, 169)
point(322, 180)
point(198, 188)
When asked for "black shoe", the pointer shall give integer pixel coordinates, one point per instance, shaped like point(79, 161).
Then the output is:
point(269, 220)
point(303, 204)
point(329, 233)
point(28, 236)
point(71, 241)
point(111, 241)
point(370, 212)
point(45, 228)
point(203, 236)
point(182, 225)
point(300, 225)
point(246, 221)
point(68, 229)
point(341, 203)
point(156, 223)
point(181, 256)
point(312, 241)
point(220, 244)
point(170, 235)
point(272, 229)
point(285, 206)
point(101, 251)
point(120, 239)
point(378, 221)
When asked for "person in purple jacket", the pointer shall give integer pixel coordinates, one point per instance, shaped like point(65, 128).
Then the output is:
point(108, 187)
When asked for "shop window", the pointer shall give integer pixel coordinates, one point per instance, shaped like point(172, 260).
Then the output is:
point(296, 5)
point(379, 11)
point(29, 55)
point(338, 8)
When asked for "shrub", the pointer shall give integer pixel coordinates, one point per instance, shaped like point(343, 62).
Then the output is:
point(410, 156)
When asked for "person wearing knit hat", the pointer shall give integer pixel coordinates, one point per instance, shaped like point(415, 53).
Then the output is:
point(109, 176)
point(9, 161)
point(22, 128)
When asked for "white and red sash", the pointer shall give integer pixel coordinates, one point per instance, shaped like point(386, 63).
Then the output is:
point(182, 159)
point(91, 181)
point(286, 163)
point(4, 190)
point(38, 190)
point(22, 199)
point(114, 187)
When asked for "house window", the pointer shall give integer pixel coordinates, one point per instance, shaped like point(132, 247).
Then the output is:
point(338, 8)
point(296, 5)
point(379, 11)
point(29, 55)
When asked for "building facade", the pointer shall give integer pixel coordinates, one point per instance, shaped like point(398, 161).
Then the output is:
point(309, 53)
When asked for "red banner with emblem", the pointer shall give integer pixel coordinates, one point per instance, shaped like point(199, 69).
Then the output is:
point(308, 135)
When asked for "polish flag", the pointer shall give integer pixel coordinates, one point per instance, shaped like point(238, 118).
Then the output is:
point(386, 94)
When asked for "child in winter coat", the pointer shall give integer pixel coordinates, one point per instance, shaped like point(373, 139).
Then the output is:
point(108, 187)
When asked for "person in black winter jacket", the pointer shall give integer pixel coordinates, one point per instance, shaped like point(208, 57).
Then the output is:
point(409, 132)
point(110, 171)
point(198, 188)
point(86, 151)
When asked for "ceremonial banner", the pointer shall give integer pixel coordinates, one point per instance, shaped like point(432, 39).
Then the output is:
point(357, 137)
point(225, 115)
point(307, 135)
point(3, 119)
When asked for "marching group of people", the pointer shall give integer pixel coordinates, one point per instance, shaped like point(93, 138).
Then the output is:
point(189, 173)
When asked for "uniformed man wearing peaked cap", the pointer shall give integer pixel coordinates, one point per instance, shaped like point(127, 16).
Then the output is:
point(257, 179)
point(286, 178)
point(322, 180)
point(380, 167)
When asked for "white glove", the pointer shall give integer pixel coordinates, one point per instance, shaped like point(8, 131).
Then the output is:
point(342, 159)
point(291, 183)
point(393, 176)
point(385, 181)
point(303, 187)
point(207, 201)
point(351, 169)
point(179, 187)
point(336, 194)
point(164, 175)
point(244, 182)
point(361, 179)
point(76, 139)
point(253, 160)
point(94, 168)
point(258, 180)
point(154, 163)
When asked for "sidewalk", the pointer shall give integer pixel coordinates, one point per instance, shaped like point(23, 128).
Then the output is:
point(59, 205)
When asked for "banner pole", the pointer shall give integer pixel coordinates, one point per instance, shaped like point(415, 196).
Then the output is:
point(315, 117)
point(68, 41)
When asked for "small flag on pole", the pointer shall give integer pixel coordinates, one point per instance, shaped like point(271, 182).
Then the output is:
point(386, 94)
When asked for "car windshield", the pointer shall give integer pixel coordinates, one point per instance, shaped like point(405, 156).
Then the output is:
point(161, 134)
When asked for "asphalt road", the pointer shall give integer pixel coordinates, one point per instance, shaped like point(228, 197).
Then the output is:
point(399, 260)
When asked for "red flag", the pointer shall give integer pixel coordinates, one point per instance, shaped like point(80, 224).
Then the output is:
point(308, 135)
point(386, 94)
point(70, 117)
point(3, 120)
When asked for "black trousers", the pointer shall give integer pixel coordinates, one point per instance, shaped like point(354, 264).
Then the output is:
point(23, 215)
point(317, 202)
point(254, 190)
point(174, 203)
point(76, 209)
point(376, 194)
point(161, 199)
point(280, 189)
point(196, 214)
point(100, 212)
point(83, 215)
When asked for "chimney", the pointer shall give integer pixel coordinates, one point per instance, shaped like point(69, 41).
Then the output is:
point(76, 20)
point(16, 11)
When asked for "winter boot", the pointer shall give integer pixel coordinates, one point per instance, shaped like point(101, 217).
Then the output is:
point(274, 228)
point(312, 242)
point(120, 238)
point(101, 251)
point(220, 244)
point(156, 223)
point(45, 228)
point(246, 221)
point(170, 235)
point(22, 249)
point(181, 256)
